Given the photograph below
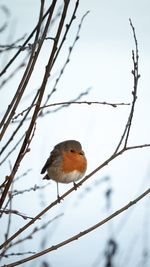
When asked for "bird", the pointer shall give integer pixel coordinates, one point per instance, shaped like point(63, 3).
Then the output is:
point(67, 163)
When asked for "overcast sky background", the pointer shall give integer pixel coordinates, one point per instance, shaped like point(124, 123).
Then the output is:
point(102, 60)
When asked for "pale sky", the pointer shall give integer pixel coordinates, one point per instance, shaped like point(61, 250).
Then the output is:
point(102, 60)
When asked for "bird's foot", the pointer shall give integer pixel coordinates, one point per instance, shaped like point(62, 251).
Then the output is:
point(59, 198)
point(75, 186)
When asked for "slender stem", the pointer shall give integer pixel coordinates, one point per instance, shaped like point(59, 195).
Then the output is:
point(83, 233)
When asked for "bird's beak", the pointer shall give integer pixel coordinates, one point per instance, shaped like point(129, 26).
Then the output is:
point(81, 153)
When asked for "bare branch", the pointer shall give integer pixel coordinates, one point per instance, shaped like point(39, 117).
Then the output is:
point(16, 131)
point(105, 163)
point(24, 146)
point(24, 44)
point(68, 103)
point(22, 65)
point(68, 58)
point(6, 12)
point(34, 188)
point(125, 135)
point(6, 47)
point(16, 212)
point(83, 233)
point(35, 230)
point(17, 254)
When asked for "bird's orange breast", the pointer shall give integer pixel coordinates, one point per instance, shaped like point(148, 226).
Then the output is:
point(73, 161)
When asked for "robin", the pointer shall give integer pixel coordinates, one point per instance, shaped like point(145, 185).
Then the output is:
point(67, 163)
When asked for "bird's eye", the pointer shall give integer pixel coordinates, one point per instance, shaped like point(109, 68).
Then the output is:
point(72, 151)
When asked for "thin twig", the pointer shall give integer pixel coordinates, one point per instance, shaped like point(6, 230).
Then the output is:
point(12, 150)
point(67, 59)
point(6, 12)
point(136, 75)
point(36, 230)
point(24, 44)
point(17, 254)
point(16, 130)
point(34, 188)
point(33, 120)
point(125, 135)
point(16, 212)
point(12, 74)
point(6, 47)
point(105, 163)
point(9, 219)
point(67, 103)
point(53, 56)
point(83, 233)
point(28, 72)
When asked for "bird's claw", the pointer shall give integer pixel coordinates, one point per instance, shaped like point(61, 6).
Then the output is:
point(59, 199)
point(75, 186)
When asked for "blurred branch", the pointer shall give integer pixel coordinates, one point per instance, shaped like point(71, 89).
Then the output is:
point(34, 188)
point(36, 230)
point(79, 235)
point(17, 254)
point(68, 57)
point(16, 130)
point(24, 44)
point(6, 12)
point(17, 178)
point(89, 189)
point(110, 251)
point(6, 47)
point(30, 236)
point(12, 150)
point(16, 212)
point(86, 92)
point(12, 74)
point(27, 74)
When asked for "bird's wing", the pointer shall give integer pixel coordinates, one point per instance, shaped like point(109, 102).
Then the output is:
point(45, 167)
point(53, 160)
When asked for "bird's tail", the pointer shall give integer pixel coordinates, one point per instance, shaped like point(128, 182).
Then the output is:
point(46, 177)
